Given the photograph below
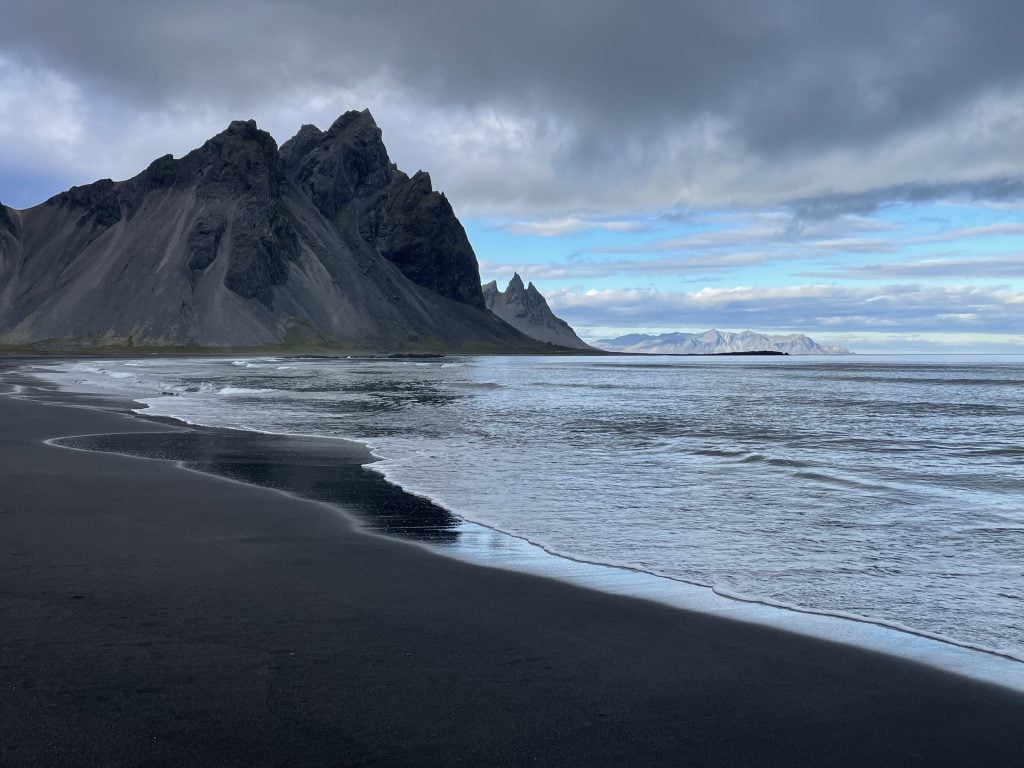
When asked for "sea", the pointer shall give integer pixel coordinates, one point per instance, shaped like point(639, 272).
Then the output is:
point(885, 490)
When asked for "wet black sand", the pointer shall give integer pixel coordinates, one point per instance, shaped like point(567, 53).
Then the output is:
point(154, 616)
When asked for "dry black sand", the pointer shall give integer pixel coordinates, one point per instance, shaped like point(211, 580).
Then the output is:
point(155, 616)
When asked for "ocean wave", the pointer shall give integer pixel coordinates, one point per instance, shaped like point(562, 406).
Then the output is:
point(773, 486)
point(834, 621)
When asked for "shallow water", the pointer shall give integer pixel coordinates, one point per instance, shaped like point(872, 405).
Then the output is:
point(890, 488)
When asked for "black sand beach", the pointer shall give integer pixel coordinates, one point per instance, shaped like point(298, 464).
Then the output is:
point(155, 616)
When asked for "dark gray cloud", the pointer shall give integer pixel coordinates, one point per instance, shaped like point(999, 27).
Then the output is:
point(830, 206)
point(580, 104)
point(798, 71)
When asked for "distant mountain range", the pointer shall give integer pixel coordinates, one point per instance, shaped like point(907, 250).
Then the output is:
point(526, 310)
point(322, 242)
point(717, 342)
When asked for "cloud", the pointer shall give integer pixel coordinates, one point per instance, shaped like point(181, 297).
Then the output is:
point(816, 249)
point(805, 308)
point(552, 108)
point(592, 269)
point(41, 114)
point(793, 239)
point(570, 225)
point(1007, 266)
point(761, 229)
point(996, 190)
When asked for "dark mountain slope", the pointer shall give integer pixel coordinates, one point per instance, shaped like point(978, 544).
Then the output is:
point(238, 244)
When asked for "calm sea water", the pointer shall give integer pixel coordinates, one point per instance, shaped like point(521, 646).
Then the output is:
point(890, 488)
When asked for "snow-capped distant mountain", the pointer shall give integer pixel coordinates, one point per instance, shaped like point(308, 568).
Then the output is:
point(716, 342)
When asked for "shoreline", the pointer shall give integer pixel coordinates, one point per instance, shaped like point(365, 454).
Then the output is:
point(197, 618)
point(428, 521)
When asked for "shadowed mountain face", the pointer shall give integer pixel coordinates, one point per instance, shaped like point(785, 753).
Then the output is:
point(323, 242)
point(525, 309)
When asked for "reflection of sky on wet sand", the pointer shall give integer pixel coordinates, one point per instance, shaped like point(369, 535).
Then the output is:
point(318, 469)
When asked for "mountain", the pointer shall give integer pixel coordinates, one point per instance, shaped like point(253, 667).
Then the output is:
point(526, 310)
point(716, 342)
point(322, 242)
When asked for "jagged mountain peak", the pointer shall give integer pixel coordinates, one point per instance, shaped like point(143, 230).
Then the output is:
point(240, 243)
point(354, 119)
point(347, 174)
point(6, 222)
point(235, 139)
point(527, 310)
point(245, 128)
point(239, 159)
point(337, 165)
point(299, 145)
point(526, 295)
point(10, 229)
point(419, 183)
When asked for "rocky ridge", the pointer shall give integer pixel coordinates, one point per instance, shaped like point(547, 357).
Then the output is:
point(322, 242)
point(524, 308)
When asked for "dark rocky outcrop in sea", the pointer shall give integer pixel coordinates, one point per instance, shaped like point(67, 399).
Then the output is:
point(527, 310)
point(323, 242)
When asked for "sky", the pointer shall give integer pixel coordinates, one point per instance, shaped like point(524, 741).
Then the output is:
point(853, 171)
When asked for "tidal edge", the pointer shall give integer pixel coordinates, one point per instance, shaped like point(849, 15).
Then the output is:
point(154, 615)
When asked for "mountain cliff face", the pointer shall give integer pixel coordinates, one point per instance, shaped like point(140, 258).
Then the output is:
point(716, 342)
point(323, 242)
point(526, 310)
